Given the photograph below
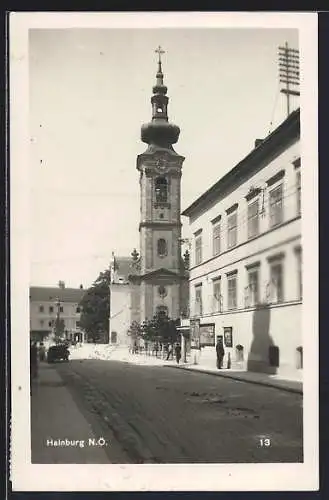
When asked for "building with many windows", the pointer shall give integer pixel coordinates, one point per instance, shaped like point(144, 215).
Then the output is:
point(48, 302)
point(246, 263)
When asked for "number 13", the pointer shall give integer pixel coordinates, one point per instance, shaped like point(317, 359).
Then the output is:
point(265, 442)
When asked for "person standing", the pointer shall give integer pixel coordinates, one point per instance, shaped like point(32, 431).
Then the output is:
point(42, 352)
point(220, 353)
point(178, 352)
point(34, 360)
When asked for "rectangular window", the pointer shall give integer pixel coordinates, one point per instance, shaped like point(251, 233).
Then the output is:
point(216, 239)
point(299, 193)
point(198, 250)
point(217, 295)
point(61, 309)
point(232, 230)
point(78, 309)
point(41, 322)
point(50, 323)
point(276, 206)
point(41, 309)
point(232, 292)
point(253, 220)
point(198, 300)
point(276, 282)
point(252, 292)
point(299, 273)
point(51, 309)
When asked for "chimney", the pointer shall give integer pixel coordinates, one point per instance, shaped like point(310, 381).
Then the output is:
point(61, 284)
point(257, 142)
point(81, 287)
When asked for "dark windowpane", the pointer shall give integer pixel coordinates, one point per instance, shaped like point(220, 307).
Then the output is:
point(216, 240)
point(198, 250)
point(277, 282)
point(198, 300)
point(232, 230)
point(161, 190)
point(276, 206)
point(253, 220)
point(252, 292)
point(299, 193)
point(232, 292)
point(217, 297)
point(162, 247)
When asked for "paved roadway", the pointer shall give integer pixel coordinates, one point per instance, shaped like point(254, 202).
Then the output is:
point(165, 415)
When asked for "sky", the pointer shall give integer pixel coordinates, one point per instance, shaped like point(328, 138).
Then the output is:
point(89, 94)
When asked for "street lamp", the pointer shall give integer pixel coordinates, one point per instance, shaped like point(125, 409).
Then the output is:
point(58, 312)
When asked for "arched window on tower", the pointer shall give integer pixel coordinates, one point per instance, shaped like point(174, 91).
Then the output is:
point(161, 190)
point(162, 247)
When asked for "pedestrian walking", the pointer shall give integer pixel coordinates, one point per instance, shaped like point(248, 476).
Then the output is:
point(178, 352)
point(34, 360)
point(42, 352)
point(220, 353)
point(170, 352)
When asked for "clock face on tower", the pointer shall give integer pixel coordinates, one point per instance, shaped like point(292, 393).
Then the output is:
point(161, 164)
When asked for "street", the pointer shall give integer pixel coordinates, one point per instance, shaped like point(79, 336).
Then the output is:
point(151, 414)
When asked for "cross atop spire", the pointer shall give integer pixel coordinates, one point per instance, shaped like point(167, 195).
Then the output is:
point(159, 51)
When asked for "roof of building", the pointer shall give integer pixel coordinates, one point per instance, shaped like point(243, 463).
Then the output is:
point(275, 142)
point(125, 267)
point(48, 294)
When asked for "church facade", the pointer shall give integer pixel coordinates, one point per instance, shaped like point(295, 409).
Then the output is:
point(157, 279)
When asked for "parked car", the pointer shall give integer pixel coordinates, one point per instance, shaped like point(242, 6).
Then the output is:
point(58, 353)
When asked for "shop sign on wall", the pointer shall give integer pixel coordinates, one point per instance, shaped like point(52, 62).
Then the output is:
point(228, 336)
point(195, 333)
point(207, 335)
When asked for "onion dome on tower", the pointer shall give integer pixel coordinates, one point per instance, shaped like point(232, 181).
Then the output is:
point(159, 133)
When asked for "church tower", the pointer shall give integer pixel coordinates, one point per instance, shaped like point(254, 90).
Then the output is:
point(161, 272)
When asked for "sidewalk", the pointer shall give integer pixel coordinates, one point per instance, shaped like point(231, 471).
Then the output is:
point(121, 353)
point(245, 376)
point(278, 381)
point(54, 417)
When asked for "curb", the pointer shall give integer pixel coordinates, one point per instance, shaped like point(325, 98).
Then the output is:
point(232, 377)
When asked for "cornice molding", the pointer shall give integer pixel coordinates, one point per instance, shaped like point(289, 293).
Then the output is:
point(252, 193)
point(159, 225)
point(153, 171)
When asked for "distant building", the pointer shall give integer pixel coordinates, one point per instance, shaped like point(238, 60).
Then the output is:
point(246, 264)
point(44, 304)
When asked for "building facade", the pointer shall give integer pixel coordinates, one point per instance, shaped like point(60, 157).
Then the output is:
point(46, 303)
point(246, 263)
point(125, 297)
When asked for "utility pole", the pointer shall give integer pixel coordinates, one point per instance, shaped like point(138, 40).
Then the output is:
point(289, 72)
